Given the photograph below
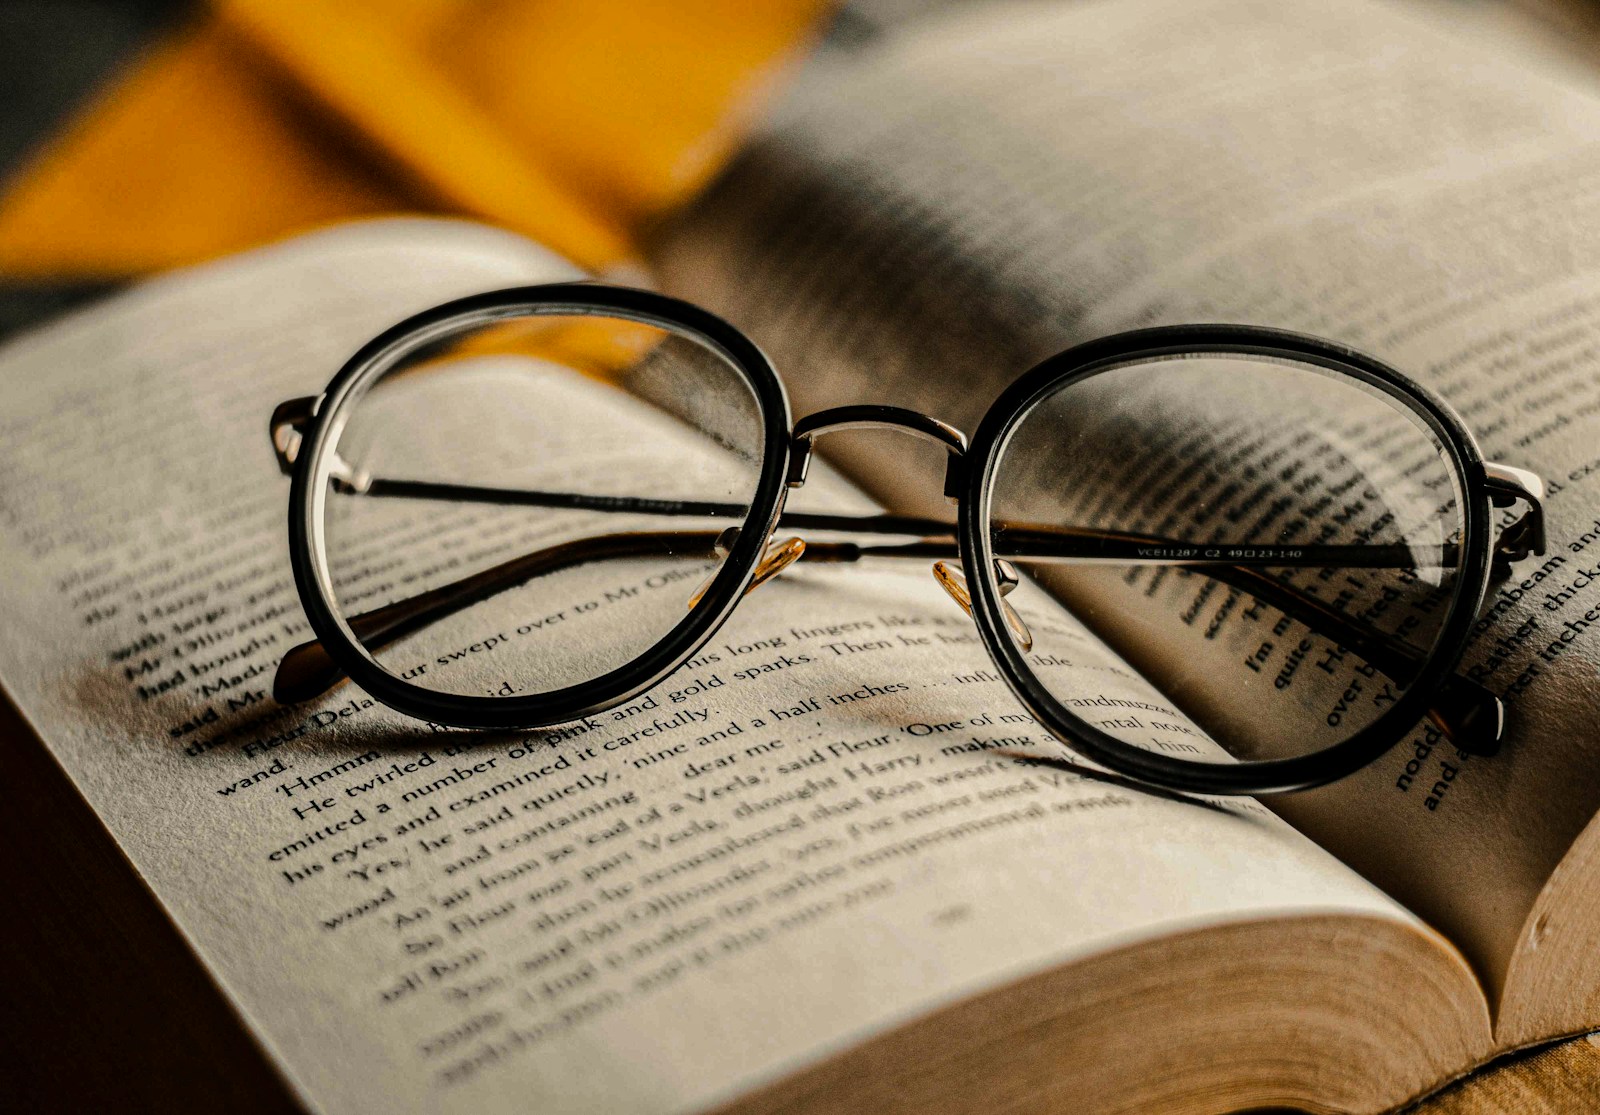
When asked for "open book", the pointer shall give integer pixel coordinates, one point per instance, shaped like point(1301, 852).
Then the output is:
point(804, 872)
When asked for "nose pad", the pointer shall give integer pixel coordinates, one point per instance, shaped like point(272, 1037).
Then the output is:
point(779, 556)
point(954, 582)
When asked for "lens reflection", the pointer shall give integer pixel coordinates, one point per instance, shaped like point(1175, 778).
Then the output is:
point(578, 471)
point(1272, 544)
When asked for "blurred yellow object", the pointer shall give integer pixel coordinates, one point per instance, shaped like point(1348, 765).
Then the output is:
point(574, 122)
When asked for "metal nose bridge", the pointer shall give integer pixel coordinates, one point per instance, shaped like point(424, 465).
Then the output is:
point(812, 426)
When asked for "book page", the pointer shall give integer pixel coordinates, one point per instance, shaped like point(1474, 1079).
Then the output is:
point(944, 211)
point(804, 837)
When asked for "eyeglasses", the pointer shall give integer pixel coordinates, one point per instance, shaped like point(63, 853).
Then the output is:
point(1283, 543)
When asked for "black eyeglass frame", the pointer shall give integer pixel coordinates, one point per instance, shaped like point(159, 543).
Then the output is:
point(969, 481)
point(1267, 776)
point(308, 555)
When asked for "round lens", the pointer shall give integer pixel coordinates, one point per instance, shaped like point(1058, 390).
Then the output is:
point(522, 503)
point(1269, 547)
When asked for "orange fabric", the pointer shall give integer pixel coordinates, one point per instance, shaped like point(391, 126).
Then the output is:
point(575, 122)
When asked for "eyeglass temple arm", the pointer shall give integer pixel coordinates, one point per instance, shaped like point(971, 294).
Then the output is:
point(1524, 536)
point(1032, 541)
point(1506, 483)
point(308, 671)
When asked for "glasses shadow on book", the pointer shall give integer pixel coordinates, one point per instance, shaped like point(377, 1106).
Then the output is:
point(1088, 773)
point(251, 723)
point(241, 720)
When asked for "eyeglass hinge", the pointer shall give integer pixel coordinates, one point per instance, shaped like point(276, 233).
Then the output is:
point(1507, 485)
point(287, 428)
